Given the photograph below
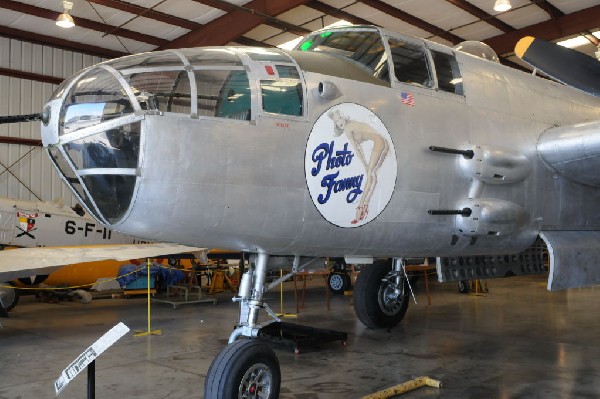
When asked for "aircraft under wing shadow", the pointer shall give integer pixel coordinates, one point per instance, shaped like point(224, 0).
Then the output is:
point(360, 143)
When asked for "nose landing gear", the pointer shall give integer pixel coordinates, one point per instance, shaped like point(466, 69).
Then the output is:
point(244, 369)
point(247, 368)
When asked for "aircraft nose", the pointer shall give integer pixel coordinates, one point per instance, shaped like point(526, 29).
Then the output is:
point(93, 136)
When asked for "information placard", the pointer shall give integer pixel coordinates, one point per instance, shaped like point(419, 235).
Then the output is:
point(89, 355)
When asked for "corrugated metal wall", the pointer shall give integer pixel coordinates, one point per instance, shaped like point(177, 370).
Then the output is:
point(20, 96)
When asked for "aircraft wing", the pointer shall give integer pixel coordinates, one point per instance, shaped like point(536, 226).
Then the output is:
point(23, 262)
point(561, 63)
point(573, 151)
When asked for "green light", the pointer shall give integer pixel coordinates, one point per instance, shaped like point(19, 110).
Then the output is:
point(306, 45)
point(325, 34)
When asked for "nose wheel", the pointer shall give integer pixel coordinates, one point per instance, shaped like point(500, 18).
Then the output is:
point(246, 368)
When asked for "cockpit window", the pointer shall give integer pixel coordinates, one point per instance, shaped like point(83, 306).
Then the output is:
point(167, 91)
point(106, 162)
point(162, 59)
point(410, 63)
point(363, 47)
point(224, 94)
point(211, 57)
point(283, 94)
point(113, 148)
point(60, 90)
point(269, 55)
point(61, 163)
point(96, 97)
point(447, 72)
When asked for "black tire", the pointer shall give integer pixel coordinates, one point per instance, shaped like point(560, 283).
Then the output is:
point(464, 286)
point(370, 303)
point(338, 282)
point(244, 369)
point(9, 297)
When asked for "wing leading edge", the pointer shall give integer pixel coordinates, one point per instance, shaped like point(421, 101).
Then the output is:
point(24, 262)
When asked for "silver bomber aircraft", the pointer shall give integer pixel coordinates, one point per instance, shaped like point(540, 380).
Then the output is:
point(361, 143)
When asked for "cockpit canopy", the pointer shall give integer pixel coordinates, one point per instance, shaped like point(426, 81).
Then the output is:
point(99, 121)
point(389, 58)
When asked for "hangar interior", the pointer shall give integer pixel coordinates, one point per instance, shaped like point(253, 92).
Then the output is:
point(516, 341)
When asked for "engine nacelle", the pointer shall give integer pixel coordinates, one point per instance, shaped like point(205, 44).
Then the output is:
point(573, 151)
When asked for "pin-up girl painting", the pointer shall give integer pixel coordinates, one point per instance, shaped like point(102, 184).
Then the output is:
point(359, 134)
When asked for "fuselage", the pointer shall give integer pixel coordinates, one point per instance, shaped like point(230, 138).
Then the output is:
point(320, 153)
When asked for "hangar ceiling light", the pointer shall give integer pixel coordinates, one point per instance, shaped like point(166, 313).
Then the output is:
point(502, 5)
point(65, 20)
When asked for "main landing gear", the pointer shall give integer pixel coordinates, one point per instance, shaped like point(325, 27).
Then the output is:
point(381, 294)
point(339, 280)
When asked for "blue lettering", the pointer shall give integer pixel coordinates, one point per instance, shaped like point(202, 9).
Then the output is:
point(327, 182)
point(342, 158)
point(324, 154)
point(325, 151)
point(351, 184)
point(354, 187)
point(322, 151)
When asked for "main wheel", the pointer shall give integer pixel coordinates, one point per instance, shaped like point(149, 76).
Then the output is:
point(338, 282)
point(244, 369)
point(8, 297)
point(378, 301)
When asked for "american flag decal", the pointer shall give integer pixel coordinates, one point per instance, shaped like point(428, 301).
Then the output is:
point(407, 99)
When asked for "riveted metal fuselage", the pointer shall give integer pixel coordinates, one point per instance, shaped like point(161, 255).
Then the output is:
point(243, 184)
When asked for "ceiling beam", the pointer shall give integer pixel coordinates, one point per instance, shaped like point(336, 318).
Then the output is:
point(81, 22)
point(481, 14)
point(18, 140)
point(17, 34)
point(30, 76)
point(337, 13)
point(249, 9)
point(411, 19)
point(234, 24)
point(147, 13)
point(245, 41)
point(592, 39)
point(549, 8)
point(552, 29)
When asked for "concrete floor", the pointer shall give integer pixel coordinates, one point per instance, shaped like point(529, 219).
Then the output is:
point(518, 341)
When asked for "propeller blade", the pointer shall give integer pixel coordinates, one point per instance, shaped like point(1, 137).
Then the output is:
point(563, 64)
point(20, 118)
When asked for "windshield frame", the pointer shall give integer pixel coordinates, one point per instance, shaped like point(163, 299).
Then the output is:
point(378, 66)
